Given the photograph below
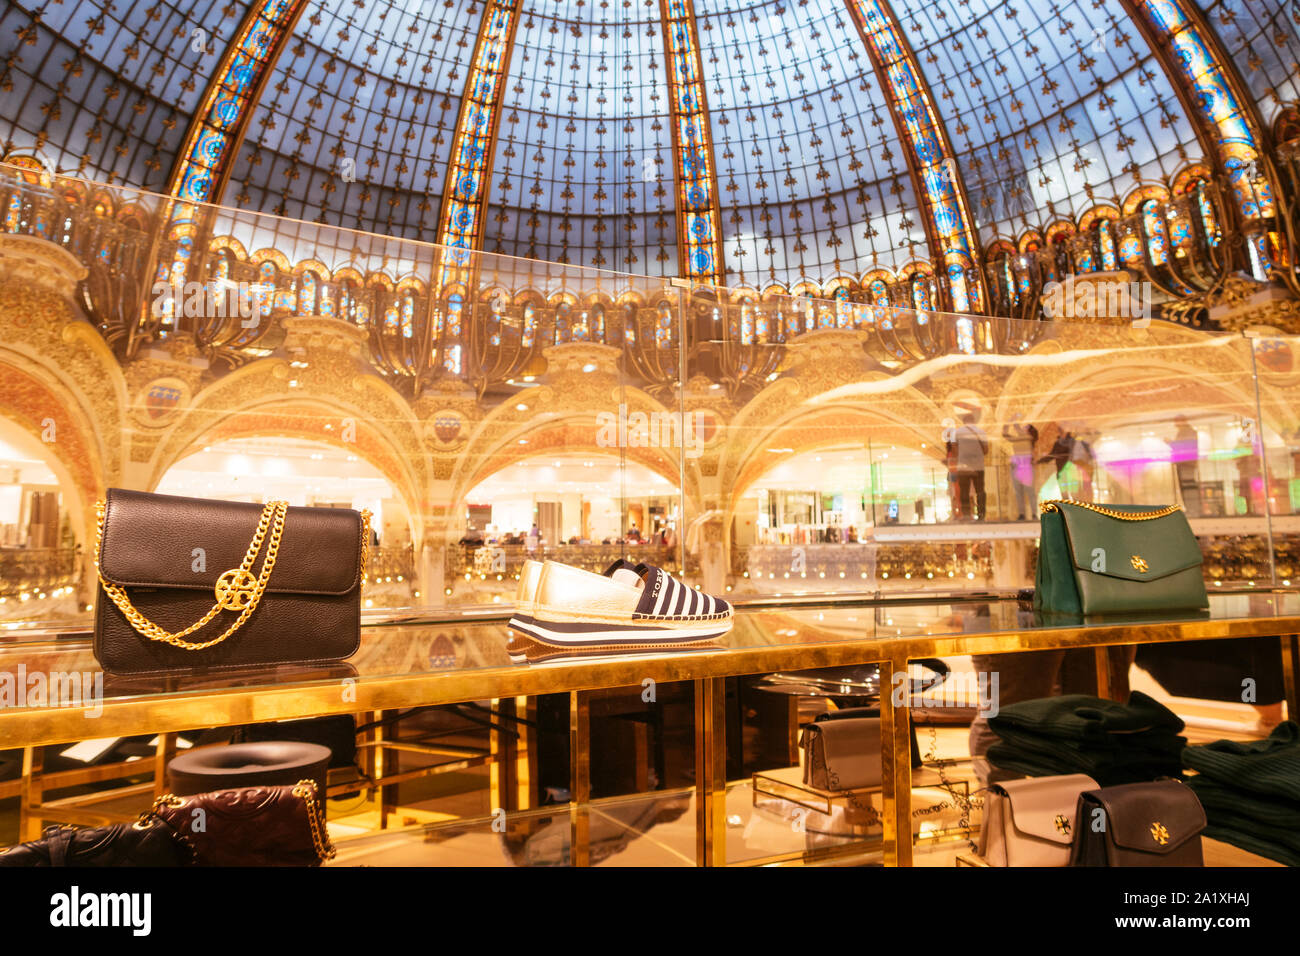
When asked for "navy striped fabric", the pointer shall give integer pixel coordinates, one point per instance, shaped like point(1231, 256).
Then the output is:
point(664, 596)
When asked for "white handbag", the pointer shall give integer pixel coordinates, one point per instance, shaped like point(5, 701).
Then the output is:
point(1031, 822)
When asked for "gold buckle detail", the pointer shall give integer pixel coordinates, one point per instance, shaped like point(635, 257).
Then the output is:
point(1159, 833)
point(1139, 564)
point(235, 590)
point(1062, 824)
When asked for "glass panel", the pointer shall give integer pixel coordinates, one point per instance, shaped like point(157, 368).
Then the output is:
point(488, 410)
point(908, 450)
point(491, 410)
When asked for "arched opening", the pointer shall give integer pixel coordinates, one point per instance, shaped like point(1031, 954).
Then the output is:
point(41, 555)
point(579, 508)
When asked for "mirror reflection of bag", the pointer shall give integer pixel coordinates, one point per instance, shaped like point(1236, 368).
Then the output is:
point(841, 754)
point(1095, 559)
point(190, 583)
point(1031, 822)
point(1139, 824)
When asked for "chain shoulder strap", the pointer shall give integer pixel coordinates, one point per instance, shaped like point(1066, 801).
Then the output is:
point(1054, 505)
point(320, 838)
point(235, 590)
point(365, 547)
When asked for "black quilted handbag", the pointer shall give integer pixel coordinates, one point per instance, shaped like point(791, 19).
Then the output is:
point(149, 842)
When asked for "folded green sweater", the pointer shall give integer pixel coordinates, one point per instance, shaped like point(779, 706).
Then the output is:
point(1269, 768)
point(1080, 717)
point(1131, 768)
point(1266, 814)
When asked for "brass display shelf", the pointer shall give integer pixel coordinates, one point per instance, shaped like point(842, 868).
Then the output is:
point(402, 666)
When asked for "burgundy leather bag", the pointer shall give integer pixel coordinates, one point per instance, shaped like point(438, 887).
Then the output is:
point(250, 826)
point(189, 583)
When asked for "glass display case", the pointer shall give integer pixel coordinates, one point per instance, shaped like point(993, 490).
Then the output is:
point(490, 409)
point(861, 474)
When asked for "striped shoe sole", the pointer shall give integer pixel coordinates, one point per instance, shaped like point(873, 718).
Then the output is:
point(595, 633)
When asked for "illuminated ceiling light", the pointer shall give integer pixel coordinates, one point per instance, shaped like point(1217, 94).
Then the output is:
point(521, 407)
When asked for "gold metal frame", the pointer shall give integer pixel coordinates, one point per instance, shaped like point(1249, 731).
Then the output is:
point(31, 729)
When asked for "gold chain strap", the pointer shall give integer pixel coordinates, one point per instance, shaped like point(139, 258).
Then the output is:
point(319, 835)
point(236, 589)
point(1047, 506)
point(365, 547)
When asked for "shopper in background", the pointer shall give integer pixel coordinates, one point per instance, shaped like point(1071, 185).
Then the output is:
point(1250, 478)
point(1184, 452)
point(1023, 439)
point(1058, 457)
point(972, 449)
point(950, 458)
point(1085, 463)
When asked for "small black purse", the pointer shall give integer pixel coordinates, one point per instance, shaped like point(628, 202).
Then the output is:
point(1155, 823)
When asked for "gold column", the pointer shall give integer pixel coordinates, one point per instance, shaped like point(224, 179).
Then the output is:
point(29, 801)
point(1290, 668)
point(711, 771)
point(163, 753)
point(579, 778)
point(895, 766)
point(526, 751)
point(503, 787)
point(1105, 686)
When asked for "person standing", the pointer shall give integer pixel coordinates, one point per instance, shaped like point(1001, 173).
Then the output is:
point(1085, 464)
point(1023, 439)
point(972, 449)
point(1184, 452)
point(1058, 457)
point(950, 461)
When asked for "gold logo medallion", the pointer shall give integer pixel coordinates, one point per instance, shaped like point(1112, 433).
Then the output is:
point(1139, 564)
point(235, 590)
point(1062, 824)
point(1159, 833)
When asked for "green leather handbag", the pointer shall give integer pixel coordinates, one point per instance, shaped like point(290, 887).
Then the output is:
point(1116, 559)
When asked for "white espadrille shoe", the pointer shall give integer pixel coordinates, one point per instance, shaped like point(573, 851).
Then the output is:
point(628, 606)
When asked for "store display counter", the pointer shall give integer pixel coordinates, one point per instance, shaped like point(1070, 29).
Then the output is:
point(410, 664)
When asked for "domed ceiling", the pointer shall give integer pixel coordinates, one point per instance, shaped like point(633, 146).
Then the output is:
point(746, 143)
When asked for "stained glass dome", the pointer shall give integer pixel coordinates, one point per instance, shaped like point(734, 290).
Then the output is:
point(751, 144)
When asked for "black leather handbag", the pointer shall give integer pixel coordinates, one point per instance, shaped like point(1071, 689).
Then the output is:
point(188, 583)
point(1156, 823)
point(149, 842)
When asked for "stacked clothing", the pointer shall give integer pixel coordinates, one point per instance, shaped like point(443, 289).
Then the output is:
point(1251, 792)
point(1111, 742)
